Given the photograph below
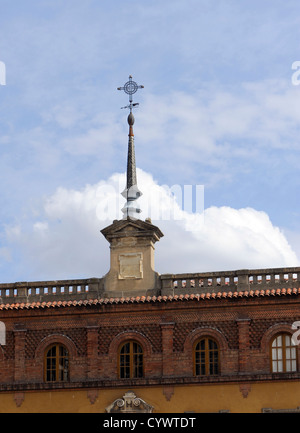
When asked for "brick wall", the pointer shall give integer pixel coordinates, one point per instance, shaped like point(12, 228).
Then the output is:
point(166, 330)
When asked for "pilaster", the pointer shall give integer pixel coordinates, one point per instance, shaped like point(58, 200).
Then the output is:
point(167, 330)
point(19, 339)
point(244, 344)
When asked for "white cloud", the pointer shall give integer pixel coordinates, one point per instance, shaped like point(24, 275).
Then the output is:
point(214, 110)
point(249, 128)
point(5, 254)
point(66, 242)
point(265, 113)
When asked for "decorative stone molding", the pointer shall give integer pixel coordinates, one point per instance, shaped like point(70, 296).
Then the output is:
point(92, 395)
point(168, 392)
point(245, 388)
point(130, 403)
point(19, 397)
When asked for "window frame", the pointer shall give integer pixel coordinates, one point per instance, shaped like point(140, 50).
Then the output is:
point(133, 365)
point(284, 348)
point(207, 351)
point(61, 362)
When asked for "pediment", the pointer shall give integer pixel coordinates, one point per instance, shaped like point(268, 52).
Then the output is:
point(130, 227)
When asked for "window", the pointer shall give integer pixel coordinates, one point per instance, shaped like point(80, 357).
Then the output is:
point(206, 357)
point(283, 354)
point(56, 363)
point(131, 360)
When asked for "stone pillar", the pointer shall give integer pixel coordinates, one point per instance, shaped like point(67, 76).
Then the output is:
point(243, 280)
point(19, 338)
point(92, 352)
point(167, 330)
point(244, 344)
point(167, 288)
point(132, 271)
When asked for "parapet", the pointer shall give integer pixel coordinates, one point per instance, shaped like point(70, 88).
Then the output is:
point(44, 291)
point(166, 285)
point(230, 281)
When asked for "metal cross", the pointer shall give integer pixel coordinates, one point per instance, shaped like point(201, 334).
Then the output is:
point(130, 88)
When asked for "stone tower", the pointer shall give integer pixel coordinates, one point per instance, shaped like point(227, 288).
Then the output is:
point(132, 240)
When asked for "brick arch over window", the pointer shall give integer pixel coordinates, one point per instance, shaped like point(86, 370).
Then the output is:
point(48, 341)
point(196, 335)
point(121, 338)
point(56, 338)
point(270, 334)
point(279, 328)
point(129, 335)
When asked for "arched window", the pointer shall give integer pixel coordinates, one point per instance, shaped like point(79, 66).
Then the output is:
point(131, 362)
point(206, 357)
point(283, 354)
point(56, 363)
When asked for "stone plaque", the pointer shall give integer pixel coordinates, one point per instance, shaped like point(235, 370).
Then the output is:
point(131, 266)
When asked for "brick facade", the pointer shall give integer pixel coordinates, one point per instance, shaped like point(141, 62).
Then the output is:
point(166, 328)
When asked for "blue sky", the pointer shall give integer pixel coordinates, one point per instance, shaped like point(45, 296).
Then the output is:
point(218, 109)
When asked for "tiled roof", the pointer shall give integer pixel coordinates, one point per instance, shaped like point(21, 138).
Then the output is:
point(151, 299)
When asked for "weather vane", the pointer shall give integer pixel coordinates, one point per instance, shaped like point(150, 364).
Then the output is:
point(131, 192)
point(130, 88)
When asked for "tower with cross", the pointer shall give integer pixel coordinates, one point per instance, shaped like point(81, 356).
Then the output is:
point(131, 192)
point(131, 239)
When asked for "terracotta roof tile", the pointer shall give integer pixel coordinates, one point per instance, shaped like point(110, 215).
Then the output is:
point(151, 299)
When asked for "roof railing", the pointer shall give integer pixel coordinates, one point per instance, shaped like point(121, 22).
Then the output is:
point(168, 284)
point(225, 281)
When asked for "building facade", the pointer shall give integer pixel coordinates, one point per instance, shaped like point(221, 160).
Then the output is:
point(194, 346)
point(136, 341)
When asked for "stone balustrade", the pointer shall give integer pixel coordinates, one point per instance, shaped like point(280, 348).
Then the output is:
point(239, 280)
point(40, 291)
point(168, 284)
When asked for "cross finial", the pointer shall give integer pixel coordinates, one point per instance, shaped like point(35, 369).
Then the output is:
point(130, 88)
point(131, 192)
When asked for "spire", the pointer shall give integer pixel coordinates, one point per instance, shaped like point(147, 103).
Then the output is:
point(131, 193)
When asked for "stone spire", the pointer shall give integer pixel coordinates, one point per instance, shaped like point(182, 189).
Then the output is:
point(131, 193)
point(131, 240)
